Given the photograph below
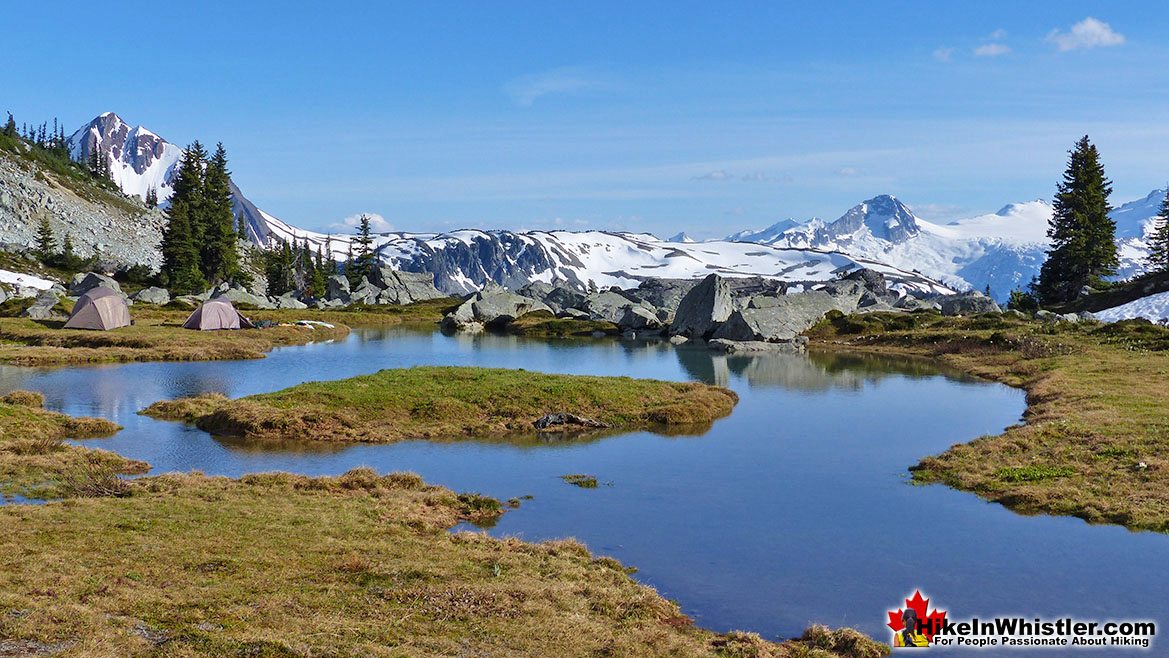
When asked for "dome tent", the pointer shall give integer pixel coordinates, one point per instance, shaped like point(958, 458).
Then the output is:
point(100, 308)
point(217, 313)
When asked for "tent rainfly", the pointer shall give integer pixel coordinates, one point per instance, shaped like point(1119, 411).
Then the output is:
point(100, 308)
point(217, 313)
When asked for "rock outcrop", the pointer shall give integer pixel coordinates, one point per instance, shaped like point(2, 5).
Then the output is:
point(489, 310)
point(703, 309)
point(971, 303)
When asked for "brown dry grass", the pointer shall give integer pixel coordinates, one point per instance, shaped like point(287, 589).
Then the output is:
point(35, 462)
point(1095, 443)
point(447, 403)
point(284, 565)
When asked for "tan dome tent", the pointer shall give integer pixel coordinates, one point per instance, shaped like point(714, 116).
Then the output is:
point(100, 308)
point(217, 313)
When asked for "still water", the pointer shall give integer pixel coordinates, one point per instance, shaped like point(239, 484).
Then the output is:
point(795, 509)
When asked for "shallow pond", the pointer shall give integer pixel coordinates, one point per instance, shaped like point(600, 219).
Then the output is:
point(795, 509)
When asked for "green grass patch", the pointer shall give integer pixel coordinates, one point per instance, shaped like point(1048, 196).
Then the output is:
point(1035, 473)
point(580, 480)
point(448, 403)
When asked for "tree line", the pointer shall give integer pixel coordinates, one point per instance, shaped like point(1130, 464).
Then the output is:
point(1083, 250)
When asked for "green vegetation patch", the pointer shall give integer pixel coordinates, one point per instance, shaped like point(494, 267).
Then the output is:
point(447, 403)
point(542, 324)
point(580, 480)
point(1033, 473)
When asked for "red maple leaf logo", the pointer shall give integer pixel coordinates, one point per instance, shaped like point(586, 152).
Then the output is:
point(930, 622)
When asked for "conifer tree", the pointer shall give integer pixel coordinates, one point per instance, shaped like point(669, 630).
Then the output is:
point(46, 241)
point(152, 197)
point(350, 268)
point(219, 256)
point(10, 126)
point(364, 264)
point(1083, 236)
point(242, 228)
point(180, 254)
point(1159, 240)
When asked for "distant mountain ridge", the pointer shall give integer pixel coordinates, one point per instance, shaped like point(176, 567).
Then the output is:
point(1002, 250)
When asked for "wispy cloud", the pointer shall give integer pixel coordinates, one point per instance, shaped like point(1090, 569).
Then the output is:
point(377, 223)
point(992, 50)
point(526, 90)
point(1088, 33)
point(944, 54)
point(997, 35)
point(848, 172)
point(719, 175)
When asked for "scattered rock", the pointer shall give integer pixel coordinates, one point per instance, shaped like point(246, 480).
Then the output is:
point(559, 420)
point(971, 303)
point(84, 282)
point(240, 296)
point(337, 289)
point(490, 309)
point(44, 308)
point(638, 318)
point(289, 301)
point(152, 295)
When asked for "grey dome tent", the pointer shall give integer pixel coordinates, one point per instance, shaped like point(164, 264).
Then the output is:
point(100, 308)
point(217, 313)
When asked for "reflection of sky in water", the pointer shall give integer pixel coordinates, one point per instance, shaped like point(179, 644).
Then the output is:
point(795, 509)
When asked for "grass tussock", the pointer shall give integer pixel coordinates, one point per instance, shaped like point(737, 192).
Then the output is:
point(581, 480)
point(287, 565)
point(447, 403)
point(35, 461)
point(1095, 443)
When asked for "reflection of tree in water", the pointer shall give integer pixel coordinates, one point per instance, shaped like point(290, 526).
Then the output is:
point(815, 371)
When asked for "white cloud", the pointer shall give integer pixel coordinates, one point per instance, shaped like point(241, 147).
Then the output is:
point(997, 35)
point(943, 54)
point(717, 174)
point(1088, 33)
point(848, 171)
point(377, 223)
point(756, 177)
point(526, 90)
point(992, 50)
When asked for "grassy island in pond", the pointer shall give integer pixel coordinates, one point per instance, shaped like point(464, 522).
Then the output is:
point(1095, 443)
point(449, 403)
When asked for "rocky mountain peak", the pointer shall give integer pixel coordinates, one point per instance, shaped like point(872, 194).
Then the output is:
point(884, 216)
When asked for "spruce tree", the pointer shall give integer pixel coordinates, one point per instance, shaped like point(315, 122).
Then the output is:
point(46, 242)
point(365, 254)
point(242, 228)
point(1159, 240)
point(10, 126)
point(152, 197)
point(1083, 236)
point(180, 254)
point(219, 255)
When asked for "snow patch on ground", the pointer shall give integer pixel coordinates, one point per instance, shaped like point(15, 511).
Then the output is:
point(26, 280)
point(1154, 307)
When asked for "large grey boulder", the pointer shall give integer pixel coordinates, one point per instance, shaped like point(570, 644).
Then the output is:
point(911, 303)
point(290, 301)
point(846, 293)
point(663, 294)
point(565, 298)
point(365, 293)
point(239, 296)
point(971, 303)
point(398, 287)
point(701, 310)
point(872, 280)
point(639, 318)
point(83, 282)
point(337, 289)
point(785, 317)
point(493, 308)
point(43, 308)
point(610, 306)
point(152, 295)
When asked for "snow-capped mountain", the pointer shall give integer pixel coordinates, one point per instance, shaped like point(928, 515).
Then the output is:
point(1002, 250)
point(139, 159)
point(463, 261)
point(681, 237)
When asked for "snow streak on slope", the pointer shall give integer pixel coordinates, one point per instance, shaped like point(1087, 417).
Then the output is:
point(1154, 307)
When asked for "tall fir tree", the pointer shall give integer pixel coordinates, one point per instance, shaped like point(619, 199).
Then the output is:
point(10, 126)
point(1083, 236)
point(46, 241)
point(1159, 240)
point(365, 257)
point(152, 197)
point(180, 252)
point(219, 255)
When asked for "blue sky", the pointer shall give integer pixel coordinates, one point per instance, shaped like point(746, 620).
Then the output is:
point(649, 116)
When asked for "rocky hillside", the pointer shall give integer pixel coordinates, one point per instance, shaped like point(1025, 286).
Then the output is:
point(121, 228)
